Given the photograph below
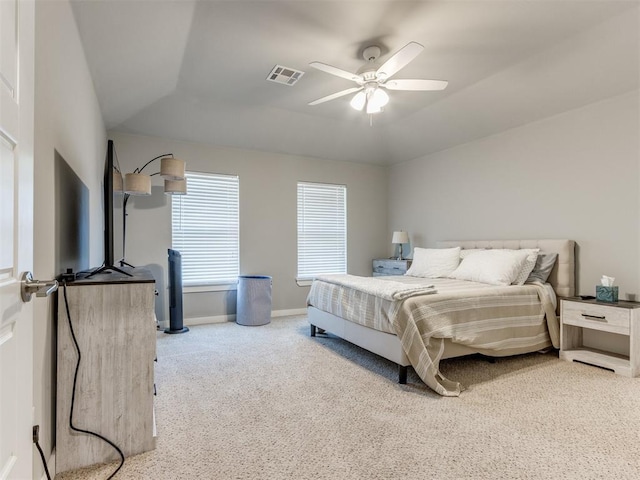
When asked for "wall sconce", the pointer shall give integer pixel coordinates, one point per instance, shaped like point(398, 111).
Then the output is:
point(399, 238)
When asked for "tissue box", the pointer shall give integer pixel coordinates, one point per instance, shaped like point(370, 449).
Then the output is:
point(606, 294)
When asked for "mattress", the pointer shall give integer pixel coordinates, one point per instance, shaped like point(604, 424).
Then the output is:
point(494, 320)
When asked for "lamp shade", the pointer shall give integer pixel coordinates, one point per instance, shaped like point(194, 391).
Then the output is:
point(400, 237)
point(379, 98)
point(373, 108)
point(137, 184)
point(117, 182)
point(175, 187)
point(358, 100)
point(172, 168)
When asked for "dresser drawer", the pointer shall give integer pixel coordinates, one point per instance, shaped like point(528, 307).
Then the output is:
point(596, 317)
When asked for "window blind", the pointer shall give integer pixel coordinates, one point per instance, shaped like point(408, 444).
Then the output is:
point(322, 229)
point(205, 229)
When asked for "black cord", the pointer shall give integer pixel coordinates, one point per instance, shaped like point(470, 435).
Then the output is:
point(73, 392)
point(44, 462)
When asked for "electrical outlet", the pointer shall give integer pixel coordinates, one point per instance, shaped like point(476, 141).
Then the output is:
point(36, 433)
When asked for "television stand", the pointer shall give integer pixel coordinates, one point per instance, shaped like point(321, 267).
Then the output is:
point(123, 263)
point(109, 269)
point(113, 320)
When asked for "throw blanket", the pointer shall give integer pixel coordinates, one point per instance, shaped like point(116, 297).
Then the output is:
point(386, 289)
point(496, 321)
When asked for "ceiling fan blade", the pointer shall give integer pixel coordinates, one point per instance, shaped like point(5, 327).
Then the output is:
point(336, 71)
point(399, 60)
point(336, 95)
point(414, 84)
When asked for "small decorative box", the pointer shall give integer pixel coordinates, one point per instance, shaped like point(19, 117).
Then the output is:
point(606, 294)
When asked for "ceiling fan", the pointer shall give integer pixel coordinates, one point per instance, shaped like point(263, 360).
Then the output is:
point(373, 78)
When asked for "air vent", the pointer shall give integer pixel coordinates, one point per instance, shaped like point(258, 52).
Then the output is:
point(284, 75)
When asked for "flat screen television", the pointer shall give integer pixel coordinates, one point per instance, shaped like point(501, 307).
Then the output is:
point(113, 216)
point(72, 219)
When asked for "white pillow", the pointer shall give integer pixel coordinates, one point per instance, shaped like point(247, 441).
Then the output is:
point(495, 267)
point(527, 266)
point(434, 262)
point(465, 252)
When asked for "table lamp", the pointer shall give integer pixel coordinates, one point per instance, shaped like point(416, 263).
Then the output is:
point(400, 238)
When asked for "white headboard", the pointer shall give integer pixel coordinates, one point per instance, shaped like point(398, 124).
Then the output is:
point(563, 275)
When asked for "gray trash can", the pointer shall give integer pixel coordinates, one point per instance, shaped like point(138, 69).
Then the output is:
point(253, 304)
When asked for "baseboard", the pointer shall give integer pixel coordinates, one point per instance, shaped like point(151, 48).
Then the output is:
point(288, 313)
point(207, 320)
point(232, 318)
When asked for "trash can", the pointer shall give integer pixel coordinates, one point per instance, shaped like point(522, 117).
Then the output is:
point(253, 304)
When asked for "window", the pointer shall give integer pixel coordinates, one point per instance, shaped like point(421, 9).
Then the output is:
point(205, 229)
point(322, 229)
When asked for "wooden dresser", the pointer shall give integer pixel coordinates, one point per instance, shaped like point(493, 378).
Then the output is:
point(114, 323)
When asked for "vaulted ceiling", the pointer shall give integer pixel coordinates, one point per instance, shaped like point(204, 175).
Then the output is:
point(196, 70)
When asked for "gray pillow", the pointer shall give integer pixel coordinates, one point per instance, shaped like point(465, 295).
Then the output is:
point(542, 270)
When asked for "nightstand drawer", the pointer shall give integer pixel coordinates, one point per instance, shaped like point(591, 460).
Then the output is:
point(388, 266)
point(596, 317)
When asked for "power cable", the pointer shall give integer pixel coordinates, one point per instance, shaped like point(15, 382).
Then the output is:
point(73, 392)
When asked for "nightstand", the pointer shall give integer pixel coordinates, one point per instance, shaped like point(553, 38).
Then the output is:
point(390, 266)
point(621, 318)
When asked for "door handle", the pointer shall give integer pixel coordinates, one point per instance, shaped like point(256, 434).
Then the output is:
point(29, 286)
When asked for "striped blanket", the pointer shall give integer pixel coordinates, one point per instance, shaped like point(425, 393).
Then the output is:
point(496, 321)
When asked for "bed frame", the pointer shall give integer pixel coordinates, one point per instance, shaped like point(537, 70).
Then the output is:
point(387, 345)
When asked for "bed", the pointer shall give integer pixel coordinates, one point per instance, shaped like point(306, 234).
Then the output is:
point(401, 329)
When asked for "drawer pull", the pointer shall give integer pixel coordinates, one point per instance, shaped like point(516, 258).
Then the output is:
point(599, 318)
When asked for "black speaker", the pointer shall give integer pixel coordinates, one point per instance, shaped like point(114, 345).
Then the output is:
point(175, 294)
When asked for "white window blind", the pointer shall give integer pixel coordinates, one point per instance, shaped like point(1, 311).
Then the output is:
point(322, 229)
point(205, 229)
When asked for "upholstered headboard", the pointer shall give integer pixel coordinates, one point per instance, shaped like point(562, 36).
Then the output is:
point(563, 276)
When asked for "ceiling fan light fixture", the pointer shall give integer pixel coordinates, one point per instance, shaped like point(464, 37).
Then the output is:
point(373, 108)
point(373, 79)
point(376, 99)
point(358, 101)
point(379, 97)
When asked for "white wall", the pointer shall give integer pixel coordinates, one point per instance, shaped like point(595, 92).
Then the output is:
point(574, 175)
point(67, 122)
point(268, 228)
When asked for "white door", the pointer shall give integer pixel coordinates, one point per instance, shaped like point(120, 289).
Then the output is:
point(16, 236)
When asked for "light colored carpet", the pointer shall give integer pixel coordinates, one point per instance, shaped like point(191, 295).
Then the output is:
point(270, 402)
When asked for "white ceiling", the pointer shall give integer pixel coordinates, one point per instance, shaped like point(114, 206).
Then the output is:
point(195, 70)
